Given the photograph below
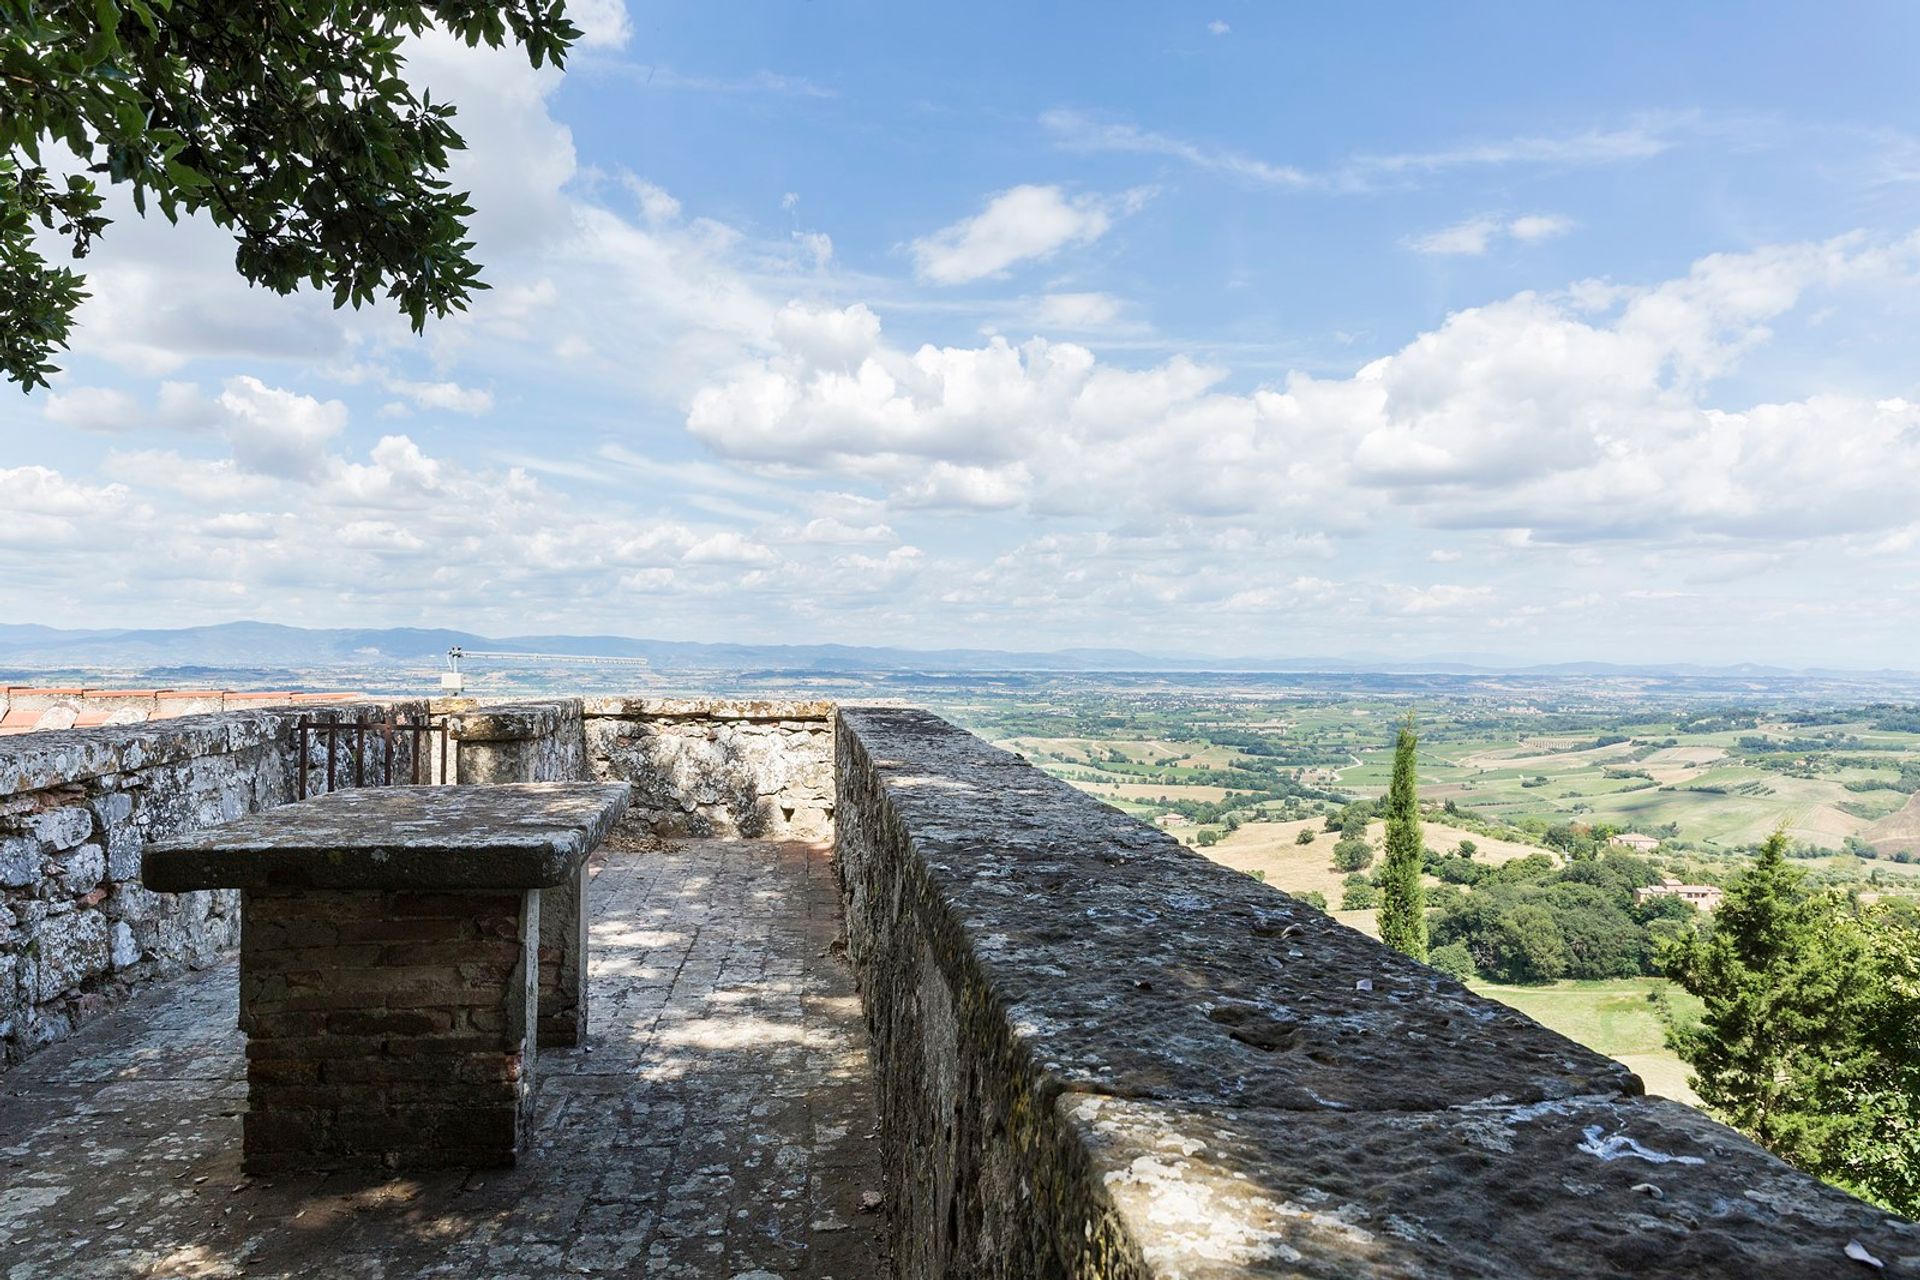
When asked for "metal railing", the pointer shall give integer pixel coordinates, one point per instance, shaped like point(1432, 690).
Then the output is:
point(360, 733)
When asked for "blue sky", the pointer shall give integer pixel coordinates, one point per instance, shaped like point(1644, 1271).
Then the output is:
point(1232, 328)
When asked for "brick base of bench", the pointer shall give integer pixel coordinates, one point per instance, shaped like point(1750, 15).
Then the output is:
point(387, 1029)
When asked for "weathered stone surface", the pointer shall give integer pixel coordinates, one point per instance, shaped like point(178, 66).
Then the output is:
point(715, 709)
point(57, 829)
point(519, 742)
point(1578, 1188)
point(19, 861)
point(122, 950)
point(1125, 961)
point(524, 835)
point(72, 948)
point(717, 767)
point(81, 869)
point(1061, 999)
point(75, 809)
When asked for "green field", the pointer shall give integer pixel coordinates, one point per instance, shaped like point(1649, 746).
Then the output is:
point(1710, 782)
point(1616, 1017)
point(1243, 775)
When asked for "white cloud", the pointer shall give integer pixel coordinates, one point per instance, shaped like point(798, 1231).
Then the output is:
point(1079, 132)
point(655, 204)
point(1539, 226)
point(1643, 139)
point(99, 409)
point(1218, 28)
point(276, 432)
point(1441, 598)
point(655, 76)
point(1536, 413)
point(604, 24)
point(1469, 238)
point(1078, 310)
point(1026, 223)
point(1475, 235)
point(449, 396)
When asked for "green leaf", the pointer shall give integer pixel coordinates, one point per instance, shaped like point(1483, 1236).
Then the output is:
point(183, 175)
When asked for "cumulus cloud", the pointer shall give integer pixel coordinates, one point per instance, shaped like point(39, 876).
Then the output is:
point(604, 24)
point(1567, 417)
point(1025, 223)
point(840, 476)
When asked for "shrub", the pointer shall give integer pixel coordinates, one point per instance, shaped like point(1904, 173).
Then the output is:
point(1305, 836)
point(1468, 848)
point(1454, 960)
point(1313, 898)
point(1350, 854)
point(1359, 896)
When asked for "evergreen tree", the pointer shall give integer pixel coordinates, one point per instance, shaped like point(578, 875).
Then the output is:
point(1879, 1158)
point(1403, 915)
point(1787, 988)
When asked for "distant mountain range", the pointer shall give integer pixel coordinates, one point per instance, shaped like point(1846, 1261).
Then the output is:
point(252, 644)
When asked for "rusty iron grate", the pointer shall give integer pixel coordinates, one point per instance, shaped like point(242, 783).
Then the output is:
point(381, 735)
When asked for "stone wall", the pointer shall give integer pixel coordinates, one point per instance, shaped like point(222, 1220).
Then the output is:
point(1101, 1055)
point(33, 708)
point(702, 767)
point(77, 928)
point(519, 742)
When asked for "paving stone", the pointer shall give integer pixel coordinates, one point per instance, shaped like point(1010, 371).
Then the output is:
point(719, 1121)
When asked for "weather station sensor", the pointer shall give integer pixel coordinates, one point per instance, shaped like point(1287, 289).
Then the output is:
point(451, 681)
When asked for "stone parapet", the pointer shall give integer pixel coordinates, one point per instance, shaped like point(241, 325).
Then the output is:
point(519, 742)
point(78, 927)
point(1100, 1054)
point(728, 767)
point(38, 709)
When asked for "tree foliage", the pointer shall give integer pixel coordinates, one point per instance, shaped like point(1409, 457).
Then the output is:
point(287, 123)
point(1352, 855)
point(1528, 921)
point(1879, 1156)
point(1808, 1039)
point(1403, 916)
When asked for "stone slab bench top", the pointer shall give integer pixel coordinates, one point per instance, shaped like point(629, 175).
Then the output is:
point(512, 836)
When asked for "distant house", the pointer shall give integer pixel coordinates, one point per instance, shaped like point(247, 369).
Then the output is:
point(1174, 820)
point(1706, 897)
point(1635, 841)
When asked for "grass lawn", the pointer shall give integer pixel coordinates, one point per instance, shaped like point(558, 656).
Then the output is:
point(1612, 1016)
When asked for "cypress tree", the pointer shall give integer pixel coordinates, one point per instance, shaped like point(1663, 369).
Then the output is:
point(1403, 913)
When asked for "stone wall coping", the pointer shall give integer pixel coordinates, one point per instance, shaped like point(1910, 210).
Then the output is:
point(507, 722)
point(510, 836)
point(1257, 1090)
point(50, 758)
point(645, 708)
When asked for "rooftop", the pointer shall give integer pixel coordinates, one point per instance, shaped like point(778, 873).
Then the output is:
point(720, 1120)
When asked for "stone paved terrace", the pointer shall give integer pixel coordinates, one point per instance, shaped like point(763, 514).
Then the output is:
point(719, 1123)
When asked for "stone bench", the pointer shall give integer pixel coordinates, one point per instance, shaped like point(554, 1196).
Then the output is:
point(390, 980)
